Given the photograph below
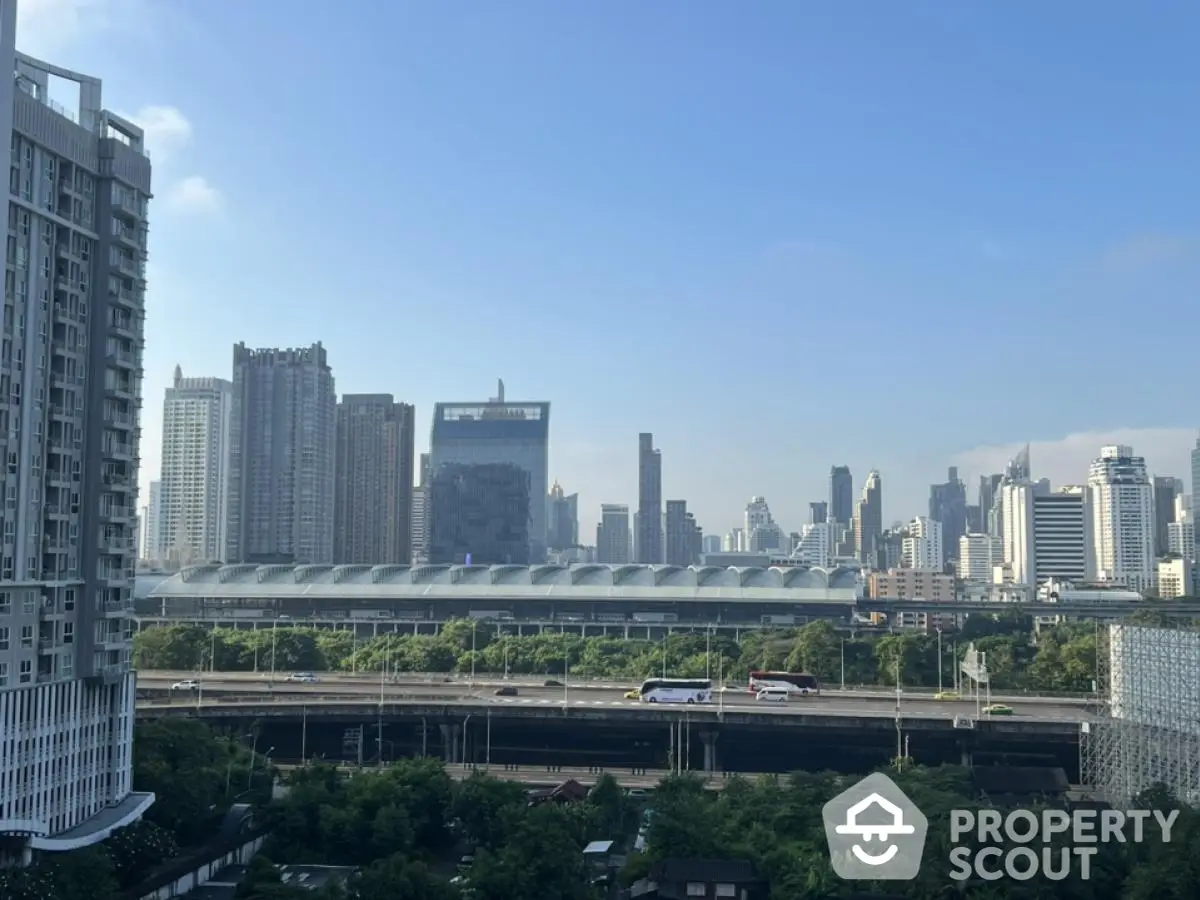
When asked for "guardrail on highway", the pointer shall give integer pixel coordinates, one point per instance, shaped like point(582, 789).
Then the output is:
point(490, 679)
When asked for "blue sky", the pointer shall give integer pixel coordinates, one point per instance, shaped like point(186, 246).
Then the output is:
point(780, 235)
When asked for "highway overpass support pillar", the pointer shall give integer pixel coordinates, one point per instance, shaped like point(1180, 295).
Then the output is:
point(451, 743)
point(709, 740)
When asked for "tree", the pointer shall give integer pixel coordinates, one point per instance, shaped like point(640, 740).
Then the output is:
point(481, 804)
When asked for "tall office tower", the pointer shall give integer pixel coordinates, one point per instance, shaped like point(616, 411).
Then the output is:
point(948, 505)
point(1181, 538)
point(612, 534)
point(841, 495)
point(195, 469)
point(1166, 489)
point(682, 535)
point(152, 544)
point(70, 376)
point(500, 432)
point(922, 549)
point(978, 554)
point(712, 543)
point(373, 492)
point(1122, 511)
point(649, 542)
point(868, 518)
point(989, 497)
point(563, 531)
point(420, 512)
point(283, 437)
point(1061, 536)
point(818, 512)
point(480, 514)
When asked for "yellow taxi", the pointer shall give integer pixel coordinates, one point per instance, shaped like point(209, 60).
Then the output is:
point(635, 694)
point(946, 695)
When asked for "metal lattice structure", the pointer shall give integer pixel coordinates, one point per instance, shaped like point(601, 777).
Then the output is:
point(1144, 728)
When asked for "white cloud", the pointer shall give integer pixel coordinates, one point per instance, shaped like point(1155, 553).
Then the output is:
point(167, 130)
point(1066, 460)
point(193, 195)
point(46, 27)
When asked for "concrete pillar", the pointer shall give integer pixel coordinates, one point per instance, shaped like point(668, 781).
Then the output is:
point(451, 736)
point(966, 758)
point(709, 740)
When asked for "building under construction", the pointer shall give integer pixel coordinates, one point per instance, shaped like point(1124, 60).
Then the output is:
point(1146, 727)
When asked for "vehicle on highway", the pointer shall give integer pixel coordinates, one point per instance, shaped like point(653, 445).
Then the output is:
point(774, 695)
point(946, 695)
point(188, 684)
point(796, 682)
point(552, 682)
point(507, 691)
point(303, 677)
point(633, 694)
point(997, 709)
point(676, 690)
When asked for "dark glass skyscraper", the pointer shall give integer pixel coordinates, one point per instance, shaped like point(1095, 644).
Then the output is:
point(499, 432)
point(649, 537)
point(841, 495)
point(479, 515)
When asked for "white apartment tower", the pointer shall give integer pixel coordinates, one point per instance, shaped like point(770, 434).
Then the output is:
point(282, 449)
point(1122, 514)
point(195, 470)
point(978, 554)
point(1046, 533)
point(150, 524)
point(922, 549)
point(815, 545)
point(70, 397)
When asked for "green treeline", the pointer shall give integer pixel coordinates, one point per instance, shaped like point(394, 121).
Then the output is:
point(1061, 659)
point(406, 827)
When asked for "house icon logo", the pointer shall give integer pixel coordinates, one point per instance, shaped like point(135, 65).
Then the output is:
point(875, 832)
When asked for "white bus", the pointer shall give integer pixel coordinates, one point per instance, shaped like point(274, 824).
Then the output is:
point(676, 690)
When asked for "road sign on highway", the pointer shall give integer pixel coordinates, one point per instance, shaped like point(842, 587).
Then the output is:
point(974, 665)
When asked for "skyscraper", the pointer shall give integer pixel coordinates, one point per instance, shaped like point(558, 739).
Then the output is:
point(420, 511)
point(1122, 508)
point(989, 493)
point(649, 538)
point(499, 431)
point(564, 519)
point(1166, 489)
point(684, 540)
point(195, 473)
point(281, 456)
point(818, 512)
point(868, 518)
point(841, 495)
point(948, 506)
point(612, 534)
point(479, 514)
point(151, 528)
point(373, 494)
point(72, 375)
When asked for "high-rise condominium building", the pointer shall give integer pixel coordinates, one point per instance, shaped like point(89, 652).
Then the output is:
point(150, 523)
point(195, 470)
point(420, 511)
point(922, 549)
point(1046, 532)
point(373, 491)
point(612, 534)
point(649, 537)
point(281, 457)
point(499, 432)
point(868, 518)
point(978, 554)
point(1122, 511)
point(841, 495)
point(70, 385)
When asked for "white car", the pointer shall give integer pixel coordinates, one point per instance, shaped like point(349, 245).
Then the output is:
point(303, 677)
point(190, 684)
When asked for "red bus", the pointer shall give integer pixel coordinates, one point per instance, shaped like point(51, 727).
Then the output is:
point(795, 682)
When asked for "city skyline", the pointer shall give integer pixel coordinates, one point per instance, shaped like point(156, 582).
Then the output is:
point(933, 207)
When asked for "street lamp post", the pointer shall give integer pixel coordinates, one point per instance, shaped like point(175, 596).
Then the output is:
point(664, 656)
point(708, 652)
point(473, 627)
point(843, 664)
point(274, 622)
point(939, 645)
